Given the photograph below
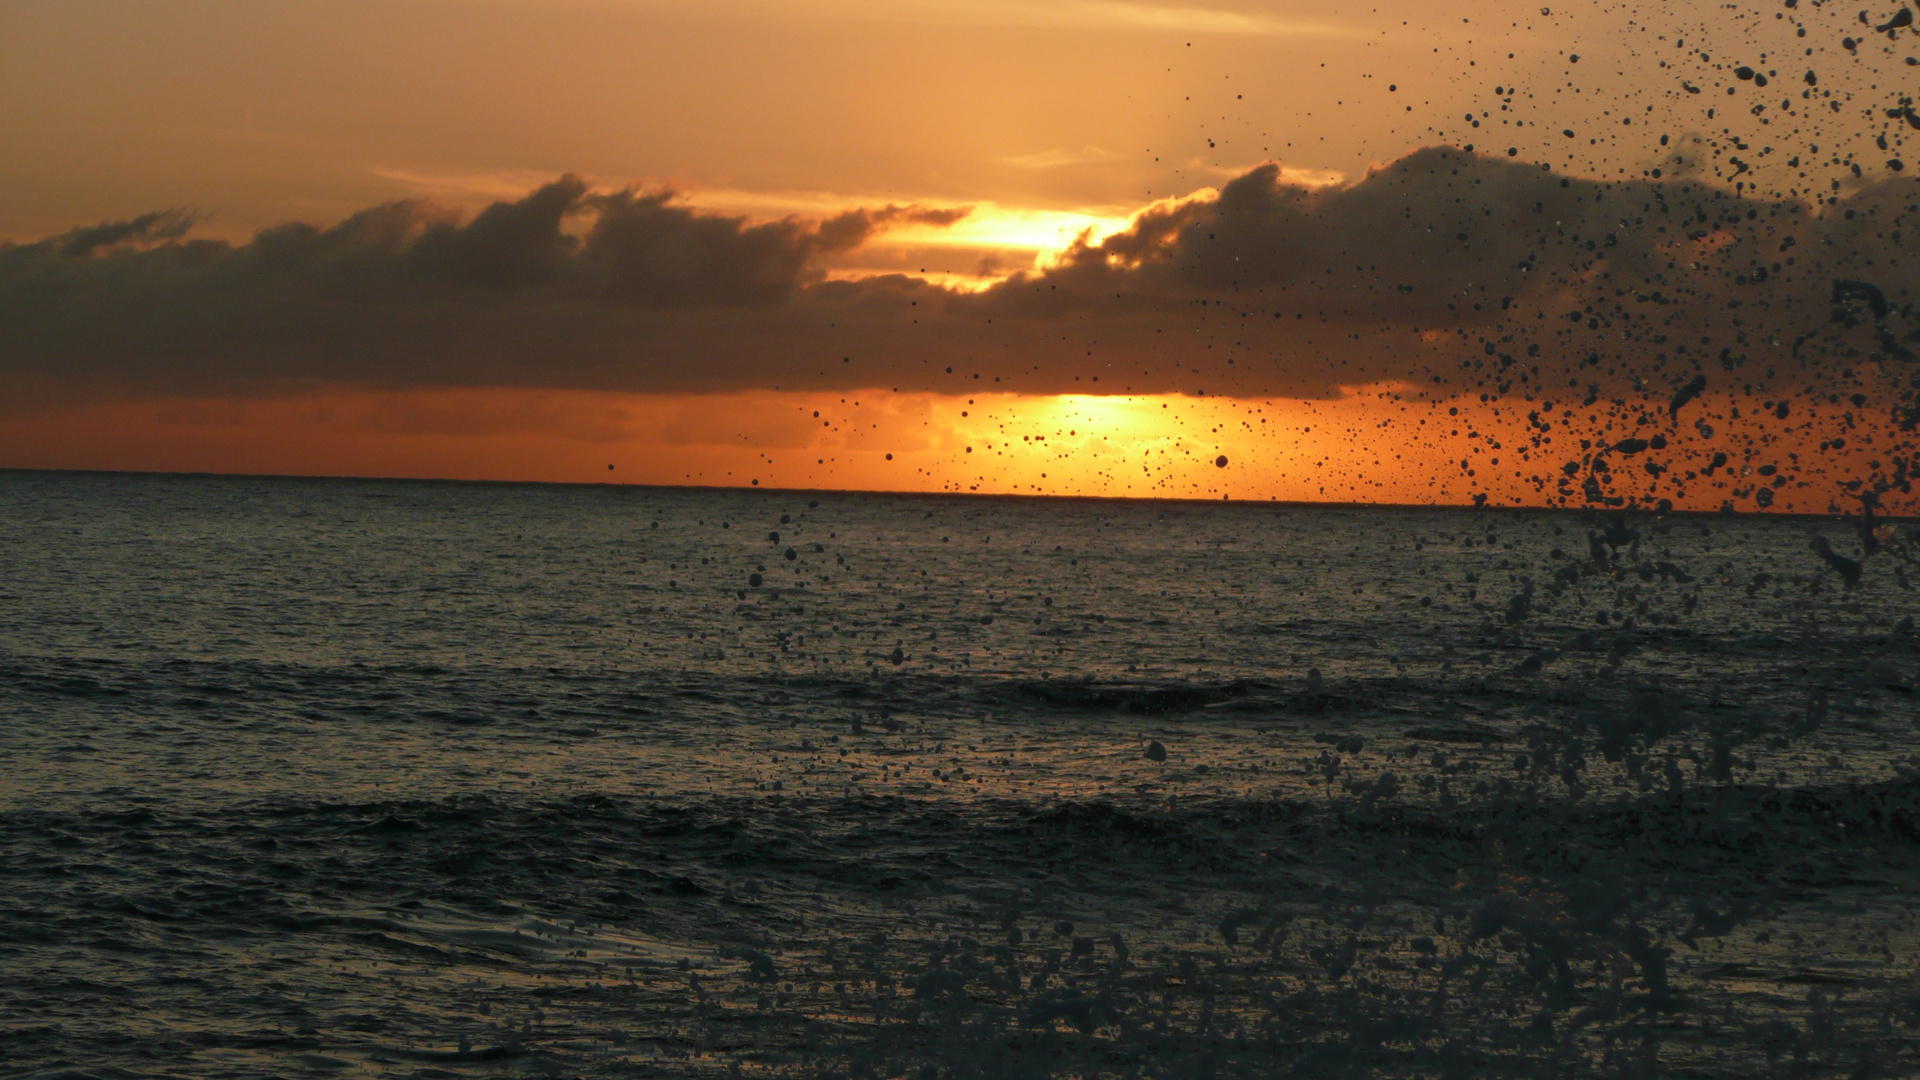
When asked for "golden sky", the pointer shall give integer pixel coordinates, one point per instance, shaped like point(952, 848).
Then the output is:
point(260, 112)
point(511, 238)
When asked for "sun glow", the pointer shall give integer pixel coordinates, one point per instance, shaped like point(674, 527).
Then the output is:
point(984, 247)
point(1013, 228)
point(1369, 446)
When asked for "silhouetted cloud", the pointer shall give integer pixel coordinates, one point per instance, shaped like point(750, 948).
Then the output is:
point(1443, 273)
point(1454, 272)
point(636, 248)
point(151, 228)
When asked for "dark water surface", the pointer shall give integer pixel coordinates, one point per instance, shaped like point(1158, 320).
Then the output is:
point(312, 778)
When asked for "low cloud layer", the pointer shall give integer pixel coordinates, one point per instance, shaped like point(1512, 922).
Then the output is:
point(1443, 276)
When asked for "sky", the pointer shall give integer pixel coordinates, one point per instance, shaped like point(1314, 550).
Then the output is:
point(1605, 254)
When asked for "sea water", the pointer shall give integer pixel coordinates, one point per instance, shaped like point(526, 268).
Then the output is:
point(327, 777)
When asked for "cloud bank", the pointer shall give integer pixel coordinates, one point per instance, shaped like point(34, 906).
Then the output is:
point(1416, 274)
point(1443, 277)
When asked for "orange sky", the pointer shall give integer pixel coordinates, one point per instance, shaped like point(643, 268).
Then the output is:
point(1362, 448)
point(258, 112)
point(1031, 125)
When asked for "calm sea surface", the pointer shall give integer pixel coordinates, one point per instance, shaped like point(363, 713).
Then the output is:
point(336, 778)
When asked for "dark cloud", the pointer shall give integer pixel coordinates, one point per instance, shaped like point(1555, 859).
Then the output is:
point(564, 287)
point(147, 229)
point(631, 248)
point(508, 245)
point(1405, 244)
point(1445, 273)
point(1457, 274)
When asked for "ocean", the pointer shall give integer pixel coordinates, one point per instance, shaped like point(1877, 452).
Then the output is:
point(379, 778)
